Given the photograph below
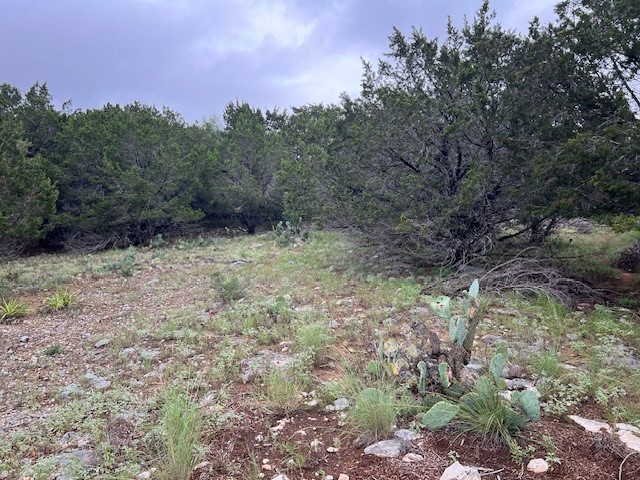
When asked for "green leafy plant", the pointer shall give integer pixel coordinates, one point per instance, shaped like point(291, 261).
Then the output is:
point(60, 300)
point(286, 233)
point(182, 426)
point(228, 289)
point(374, 414)
point(11, 309)
point(53, 350)
point(483, 411)
point(124, 266)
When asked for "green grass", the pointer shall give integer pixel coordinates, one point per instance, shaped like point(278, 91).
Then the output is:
point(182, 426)
point(282, 391)
point(374, 414)
point(12, 309)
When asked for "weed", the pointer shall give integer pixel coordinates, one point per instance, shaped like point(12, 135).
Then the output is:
point(60, 300)
point(287, 233)
point(12, 309)
point(282, 392)
point(294, 457)
point(228, 289)
point(374, 414)
point(182, 427)
point(125, 266)
point(547, 364)
point(252, 469)
point(53, 350)
point(314, 338)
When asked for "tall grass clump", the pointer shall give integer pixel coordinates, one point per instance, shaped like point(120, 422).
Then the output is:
point(183, 426)
point(374, 414)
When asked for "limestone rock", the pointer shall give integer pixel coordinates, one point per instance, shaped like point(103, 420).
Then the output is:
point(261, 362)
point(592, 426)
point(412, 458)
point(631, 441)
point(538, 465)
point(343, 476)
point(102, 343)
point(386, 448)
point(460, 472)
point(340, 404)
point(95, 381)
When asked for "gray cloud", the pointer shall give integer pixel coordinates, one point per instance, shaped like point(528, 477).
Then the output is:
point(194, 56)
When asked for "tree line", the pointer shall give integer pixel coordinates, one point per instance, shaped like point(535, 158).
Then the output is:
point(450, 148)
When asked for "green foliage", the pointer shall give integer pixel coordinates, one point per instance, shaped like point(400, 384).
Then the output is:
point(228, 289)
point(123, 175)
point(28, 194)
point(282, 391)
point(251, 150)
point(483, 411)
point(441, 414)
point(314, 338)
point(53, 350)
point(125, 265)
point(11, 309)
point(443, 372)
point(286, 233)
point(60, 300)
point(182, 426)
point(374, 414)
point(498, 362)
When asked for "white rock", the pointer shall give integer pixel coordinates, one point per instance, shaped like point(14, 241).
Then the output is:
point(282, 476)
point(343, 476)
point(592, 426)
point(412, 458)
point(332, 449)
point(628, 428)
point(538, 465)
point(386, 448)
point(629, 439)
point(460, 472)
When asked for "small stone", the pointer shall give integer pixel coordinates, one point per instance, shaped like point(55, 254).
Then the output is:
point(387, 448)
point(102, 343)
point(268, 467)
point(343, 476)
point(86, 458)
point(572, 336)
point(512, 371)
point(201, 465)
point(24, 339)
point(519, 383)
point(407, 436)
point(538, 465)
point(460, 472)
point(340, 404)
point(412, 458)
point(282, 476)
point(70, 391)
point(146, 475)
point(96, 381)
point(67, 438)
point(592, 426)
point(332, 449)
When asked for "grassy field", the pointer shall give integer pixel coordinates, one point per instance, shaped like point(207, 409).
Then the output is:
point(142, 359)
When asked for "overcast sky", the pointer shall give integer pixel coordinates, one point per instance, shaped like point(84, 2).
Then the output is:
point(195, 56)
